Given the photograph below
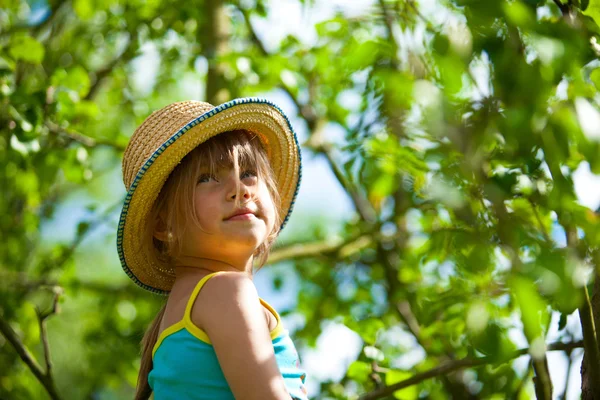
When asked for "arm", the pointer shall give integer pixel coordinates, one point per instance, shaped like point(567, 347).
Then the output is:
point(230, 313)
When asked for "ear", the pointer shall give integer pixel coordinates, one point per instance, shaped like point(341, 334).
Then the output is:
point(160, 231)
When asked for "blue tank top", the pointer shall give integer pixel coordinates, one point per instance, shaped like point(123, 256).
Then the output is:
point(185, 365)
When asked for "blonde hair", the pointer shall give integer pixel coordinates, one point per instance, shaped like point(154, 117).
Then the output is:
point(174, 207)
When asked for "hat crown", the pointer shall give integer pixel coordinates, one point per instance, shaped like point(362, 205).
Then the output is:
point(156, 129)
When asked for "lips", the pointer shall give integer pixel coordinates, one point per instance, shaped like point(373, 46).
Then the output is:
point(241, 212)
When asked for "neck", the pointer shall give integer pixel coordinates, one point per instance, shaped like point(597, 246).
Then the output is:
point(186, 264)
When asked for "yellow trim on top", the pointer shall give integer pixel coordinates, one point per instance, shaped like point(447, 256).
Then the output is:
point(187, 317)
point(192, 299)
point(198, 333)
point(168, 331)
point(279, 327)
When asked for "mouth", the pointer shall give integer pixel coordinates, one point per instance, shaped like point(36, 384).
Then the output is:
point(241, 215)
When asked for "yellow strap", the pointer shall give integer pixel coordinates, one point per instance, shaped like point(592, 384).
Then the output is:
point(279, 327)
point(187, 317)
point(167, 332)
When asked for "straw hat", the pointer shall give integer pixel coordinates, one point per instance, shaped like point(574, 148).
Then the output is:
point(159, 144)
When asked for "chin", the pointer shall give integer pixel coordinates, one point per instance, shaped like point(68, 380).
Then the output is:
point(250, 240)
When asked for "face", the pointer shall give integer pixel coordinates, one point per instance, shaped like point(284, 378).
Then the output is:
point(232, 223)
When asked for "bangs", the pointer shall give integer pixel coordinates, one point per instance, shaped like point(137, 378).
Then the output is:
point(234, 149)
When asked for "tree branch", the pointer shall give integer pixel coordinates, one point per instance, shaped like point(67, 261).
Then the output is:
point(388, 19)
point(263, 50)
point(590, 340)
point(361, 204)
point(457, 365)
point(564, 8)
point(336, 248)
point(42, 316)
point(102, 74)
point(43, 377)
point(540, 222)
point(542, 380)
point(81, 138)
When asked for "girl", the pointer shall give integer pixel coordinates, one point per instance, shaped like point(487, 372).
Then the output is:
point(209, 190)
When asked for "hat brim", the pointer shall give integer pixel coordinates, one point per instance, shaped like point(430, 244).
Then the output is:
point(258, 116)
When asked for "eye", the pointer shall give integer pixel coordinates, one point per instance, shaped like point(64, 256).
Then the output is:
point(205, 178)
point(248, 174)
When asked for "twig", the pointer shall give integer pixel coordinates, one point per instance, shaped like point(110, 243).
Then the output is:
point(42, 316)
point(102, 74)
point(564, 8)
point(339, 248)
point(542, 382)
point(389, 25)
point(45, 378)
point(304, 110)
point(457, 365)
point(411, 322)
point(539, 220)
point(23, 352)
point(361, 204)
point(80, 138)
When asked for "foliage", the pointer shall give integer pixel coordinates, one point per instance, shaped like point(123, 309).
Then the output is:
point(463, 127)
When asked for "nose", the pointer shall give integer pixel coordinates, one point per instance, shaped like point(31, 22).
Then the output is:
point(237, 187)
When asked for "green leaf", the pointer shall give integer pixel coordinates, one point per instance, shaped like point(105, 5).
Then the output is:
point(82, 228)
point(493, 342)
point(27, 49)
point(593, 10)
point(584, 4)
point(369, 328)
point(362, 54)
point(395, 376)
point(533, 307)
point(83, 8)
point(359, 371)
point(382, 187)
point(75, 78)
point(595, 77)
point(441, 44)
point(519, 14)
point(562, 322)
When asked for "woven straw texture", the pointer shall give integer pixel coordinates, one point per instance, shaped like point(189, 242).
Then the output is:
point(160, 143)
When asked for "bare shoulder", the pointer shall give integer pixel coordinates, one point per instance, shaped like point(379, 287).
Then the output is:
point(230, 293)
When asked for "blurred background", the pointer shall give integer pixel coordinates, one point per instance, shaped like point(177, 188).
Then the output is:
point(445, 239)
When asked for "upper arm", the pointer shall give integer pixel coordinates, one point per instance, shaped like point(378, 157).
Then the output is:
point(230, 313)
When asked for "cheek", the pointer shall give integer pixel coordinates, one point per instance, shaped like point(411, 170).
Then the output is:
point(206, 208)
point(270, 213)
point(268, 208)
